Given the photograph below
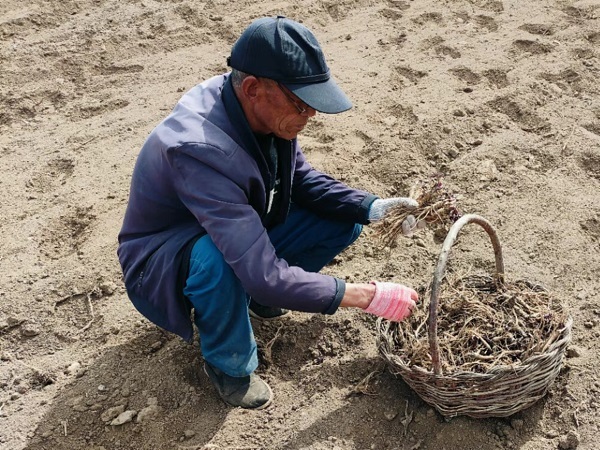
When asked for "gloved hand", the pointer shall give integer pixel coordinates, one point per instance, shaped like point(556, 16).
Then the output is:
point(392, 301)
point(380, 206)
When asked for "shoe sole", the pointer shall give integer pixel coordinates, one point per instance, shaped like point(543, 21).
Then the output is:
point(266, 405)
point(267, 319)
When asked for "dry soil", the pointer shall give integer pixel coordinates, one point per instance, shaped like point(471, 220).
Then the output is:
point(503, 97)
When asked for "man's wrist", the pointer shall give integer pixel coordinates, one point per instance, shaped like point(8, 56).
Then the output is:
point(358, 295)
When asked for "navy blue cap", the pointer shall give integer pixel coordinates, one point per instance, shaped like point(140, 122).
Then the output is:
point(287, 52)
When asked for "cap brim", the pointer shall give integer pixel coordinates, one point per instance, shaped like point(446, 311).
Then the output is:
point(325, 97)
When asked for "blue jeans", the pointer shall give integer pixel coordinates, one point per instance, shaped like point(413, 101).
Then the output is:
point(220, 302)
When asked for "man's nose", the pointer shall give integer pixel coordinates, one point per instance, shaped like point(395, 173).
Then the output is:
point(310, 112)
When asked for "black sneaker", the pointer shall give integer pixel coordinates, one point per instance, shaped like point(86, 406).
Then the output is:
point(262, 312)
point(249, 392)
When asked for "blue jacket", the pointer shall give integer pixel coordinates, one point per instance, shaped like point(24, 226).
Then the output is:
point(201, 172)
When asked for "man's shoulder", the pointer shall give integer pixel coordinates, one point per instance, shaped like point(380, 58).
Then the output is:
point(198, 119)
point(205, 95)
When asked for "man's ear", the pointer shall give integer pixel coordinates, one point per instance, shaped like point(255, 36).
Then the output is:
point(250, 87)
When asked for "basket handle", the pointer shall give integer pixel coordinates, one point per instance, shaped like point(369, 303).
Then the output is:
point(434, 347)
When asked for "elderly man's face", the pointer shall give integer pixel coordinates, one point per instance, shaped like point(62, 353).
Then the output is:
point(280, 112)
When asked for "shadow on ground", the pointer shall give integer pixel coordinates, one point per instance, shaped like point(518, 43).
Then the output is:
point(153, 369)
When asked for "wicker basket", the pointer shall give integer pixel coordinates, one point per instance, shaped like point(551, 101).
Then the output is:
point(500, 392)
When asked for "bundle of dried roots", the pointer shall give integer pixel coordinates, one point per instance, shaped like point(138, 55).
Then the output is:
point(483, 324)
point(437, 208)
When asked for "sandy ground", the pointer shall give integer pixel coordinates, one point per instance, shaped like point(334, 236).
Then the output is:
point(501, 96)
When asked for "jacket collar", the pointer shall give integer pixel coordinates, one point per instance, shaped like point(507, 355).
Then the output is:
point(247, 140)
point(238, 119)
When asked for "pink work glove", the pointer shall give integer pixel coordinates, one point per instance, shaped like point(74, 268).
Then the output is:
point(392, 301)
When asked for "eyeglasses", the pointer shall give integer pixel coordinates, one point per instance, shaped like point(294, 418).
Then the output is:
point(301, 109)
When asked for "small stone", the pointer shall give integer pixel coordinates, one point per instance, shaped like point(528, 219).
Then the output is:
point(588, 324)
point(80, 408)
point(111, 413)
point(551, 434)
point(108, 288)
point(73, 368)
point(570, 441)
point(420, 243)
point(147, 413)
point(156, 346)
point(101, 388)
point(189, 434)
point(76, 400)
point(488, 171)
point(458, 113)
point(390, 415)
point(124, 417)
point(573, 352)
point(30, 329)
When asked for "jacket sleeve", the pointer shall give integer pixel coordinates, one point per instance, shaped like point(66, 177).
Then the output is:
point(327, 196)
point(222, 208)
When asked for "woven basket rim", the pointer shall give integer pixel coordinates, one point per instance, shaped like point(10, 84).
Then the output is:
point(564, 336)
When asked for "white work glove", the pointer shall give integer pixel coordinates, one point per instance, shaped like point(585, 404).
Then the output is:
point(392, 301)
point(380, 207)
